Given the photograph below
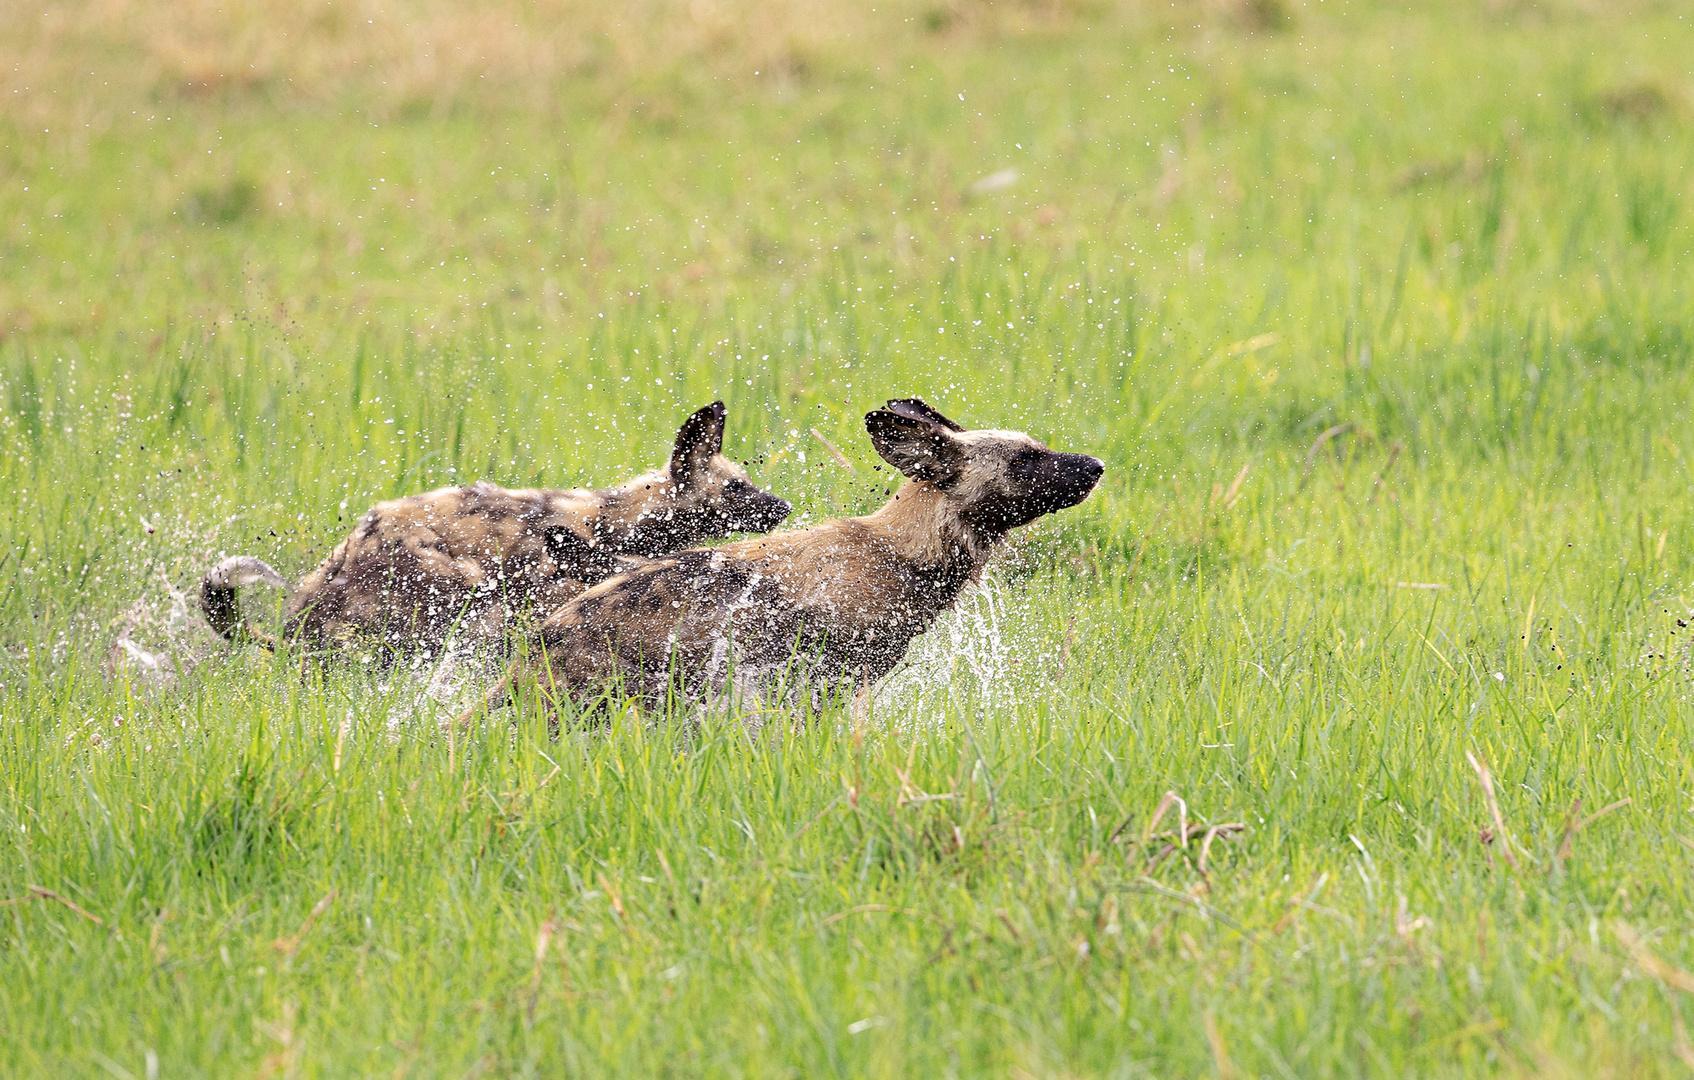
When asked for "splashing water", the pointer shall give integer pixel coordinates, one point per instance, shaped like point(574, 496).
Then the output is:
point(424, 691)
point(974, 653)
point(160, 636)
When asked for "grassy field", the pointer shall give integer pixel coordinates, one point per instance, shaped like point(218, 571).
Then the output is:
point(1380, 318)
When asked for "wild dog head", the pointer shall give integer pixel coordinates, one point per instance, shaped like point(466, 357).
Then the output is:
point(700, 495)
point(992, 480)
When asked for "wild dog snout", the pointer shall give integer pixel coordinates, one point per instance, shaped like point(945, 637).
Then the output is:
point(747, 509)
point(1037, 481)
point(1067, 480)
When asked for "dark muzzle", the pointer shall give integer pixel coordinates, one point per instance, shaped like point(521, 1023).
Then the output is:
point(1073, 477)
point(1040, 485)
point(762, 513)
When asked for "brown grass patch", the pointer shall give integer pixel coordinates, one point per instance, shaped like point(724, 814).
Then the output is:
point(425, 56)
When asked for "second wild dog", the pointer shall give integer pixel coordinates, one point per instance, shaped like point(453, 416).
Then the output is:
point(464, 560)
point(823, 608)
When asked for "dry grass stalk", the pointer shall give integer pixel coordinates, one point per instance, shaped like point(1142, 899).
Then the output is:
point(36, 892)
point(1220, 1054)
point(286, 1060)
point(1487, 780)
point(1382, 477)
point(289, 946)
point(1405, 925)
point(910, 793)
point(156, 937)
point(1165, 804)
point(1684, 1050)
point(1312, 454)
point(923, 797)
point(1234, 491)
point(1573, 826)
point(835, 452)
point(1006, 921)
point(543, 938)
point(614, 894)
point(1667, 973)
point(1296, 902)
point(1212, 834)
point(1189, 832)
point(1178, 838)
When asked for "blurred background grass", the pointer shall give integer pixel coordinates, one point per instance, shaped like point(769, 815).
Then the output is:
point(1378, 314)
point(333, 252)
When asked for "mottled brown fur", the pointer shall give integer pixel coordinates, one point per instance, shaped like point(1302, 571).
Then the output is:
point(464, 560)
point(823, 607)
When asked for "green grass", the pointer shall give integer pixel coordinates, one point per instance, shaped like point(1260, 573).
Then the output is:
point(255, 275)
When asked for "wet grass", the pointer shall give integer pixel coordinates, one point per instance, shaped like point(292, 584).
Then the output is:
point(1379, 319)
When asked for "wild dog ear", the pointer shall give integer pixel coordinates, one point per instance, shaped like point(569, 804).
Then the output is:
point(920, 448)
point(918, 409)
point(700, 439)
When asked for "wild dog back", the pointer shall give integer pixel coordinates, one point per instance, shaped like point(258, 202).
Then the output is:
point(468, 558)
point(416, 566)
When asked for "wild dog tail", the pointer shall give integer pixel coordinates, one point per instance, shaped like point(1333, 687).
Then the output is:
point(217, 597)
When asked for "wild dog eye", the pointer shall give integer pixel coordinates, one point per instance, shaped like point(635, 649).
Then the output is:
point(738, 487)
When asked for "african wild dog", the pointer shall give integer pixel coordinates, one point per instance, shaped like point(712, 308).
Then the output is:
point(466, 559)
point(825, 607)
